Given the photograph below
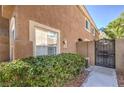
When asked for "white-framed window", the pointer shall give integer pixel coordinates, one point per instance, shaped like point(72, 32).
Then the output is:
point(87, 24)
point(46, 40)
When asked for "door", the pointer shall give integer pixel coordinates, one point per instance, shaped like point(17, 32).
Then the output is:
point(105, 53)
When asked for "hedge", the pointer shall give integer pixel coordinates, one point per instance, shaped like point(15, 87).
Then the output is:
point(42, 71)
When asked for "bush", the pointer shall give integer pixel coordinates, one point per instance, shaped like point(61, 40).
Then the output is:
point(41, 71)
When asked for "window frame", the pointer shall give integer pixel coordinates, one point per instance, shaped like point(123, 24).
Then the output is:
point(87, 21)
point(32, 25)
point(47, 45)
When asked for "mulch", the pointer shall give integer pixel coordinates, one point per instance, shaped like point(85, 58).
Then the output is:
point(120, 78)
point(77, 81)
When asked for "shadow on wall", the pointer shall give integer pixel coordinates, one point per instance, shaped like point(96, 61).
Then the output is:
point(4, 39)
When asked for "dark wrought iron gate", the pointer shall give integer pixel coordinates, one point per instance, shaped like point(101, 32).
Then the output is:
point(105, 53)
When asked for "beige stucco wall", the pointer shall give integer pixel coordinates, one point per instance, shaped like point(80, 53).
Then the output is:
point(82, 48)
point(68, 19)
point(119, 52)
point(87, 50)
point(4, 38)
point(23, 48)
point(91, 52)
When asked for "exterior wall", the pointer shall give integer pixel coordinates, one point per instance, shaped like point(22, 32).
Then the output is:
point(82, 48)
point(4, 39)
point(119, 50)
point(0, 11)
point(7, 10)
point(91, 52)
point(68, 19)
point(97, 37)
point(23, 48)
point(87, 49)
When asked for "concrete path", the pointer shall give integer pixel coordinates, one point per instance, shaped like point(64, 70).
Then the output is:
point(101, 77)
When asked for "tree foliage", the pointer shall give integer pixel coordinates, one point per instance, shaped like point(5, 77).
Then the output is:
point(115, 29)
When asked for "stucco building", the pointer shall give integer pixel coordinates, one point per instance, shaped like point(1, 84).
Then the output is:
point(44, 30)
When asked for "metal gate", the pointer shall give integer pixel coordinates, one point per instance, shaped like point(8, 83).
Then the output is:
point(105, 53)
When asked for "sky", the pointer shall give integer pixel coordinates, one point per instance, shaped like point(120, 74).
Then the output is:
point(103, 14)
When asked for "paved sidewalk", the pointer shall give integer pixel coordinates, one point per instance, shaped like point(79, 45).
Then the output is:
point(101, 77)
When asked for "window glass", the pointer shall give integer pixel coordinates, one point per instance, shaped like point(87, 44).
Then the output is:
point(87, 24)
point(41, 50)
point(41, 37)
point(51, 50)
point(46, 42)
point(52, 38)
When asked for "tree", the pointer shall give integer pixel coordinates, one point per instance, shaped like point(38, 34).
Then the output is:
point(102, 33)
point(102, 29)
point(122, 15)
point(115, 29)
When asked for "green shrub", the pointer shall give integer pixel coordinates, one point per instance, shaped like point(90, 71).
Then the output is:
point(41, 71)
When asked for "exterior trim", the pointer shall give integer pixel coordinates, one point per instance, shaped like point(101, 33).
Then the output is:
point(12, 21)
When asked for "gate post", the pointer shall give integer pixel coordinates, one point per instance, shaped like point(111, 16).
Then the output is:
point(119, 54)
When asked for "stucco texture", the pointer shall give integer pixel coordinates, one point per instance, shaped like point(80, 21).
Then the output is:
point(68, 19)
point(119, 52)
point(4, 39)
point(87, 50)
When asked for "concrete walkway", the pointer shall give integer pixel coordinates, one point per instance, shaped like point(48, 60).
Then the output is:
point(101, 77)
